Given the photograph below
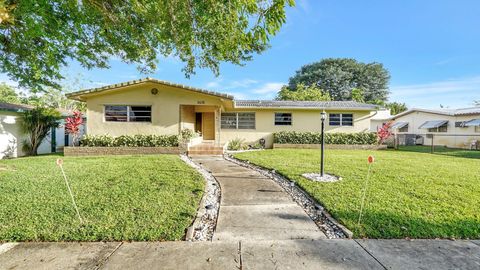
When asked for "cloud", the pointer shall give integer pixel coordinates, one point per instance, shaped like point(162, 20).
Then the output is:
point(239, 95)
point(214, 84)
point(241, 83)
point(454, 92)
point(304, 5)
point(268, 88)
point(447, 86)
point(220, 83)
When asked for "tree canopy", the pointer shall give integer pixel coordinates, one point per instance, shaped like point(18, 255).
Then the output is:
point(302, 92)
point(396, 107)
point(51, 97)
point(8, 94)
point(38, 37)
point(339, 76)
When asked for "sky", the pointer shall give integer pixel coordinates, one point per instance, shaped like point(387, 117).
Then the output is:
point(430, 47)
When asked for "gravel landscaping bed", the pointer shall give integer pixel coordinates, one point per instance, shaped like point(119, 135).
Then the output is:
point(316, 212)
point(327, 178)
point(204, 225)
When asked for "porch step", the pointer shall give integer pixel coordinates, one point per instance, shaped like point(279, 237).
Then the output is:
point(205, 152)
point(205, 149)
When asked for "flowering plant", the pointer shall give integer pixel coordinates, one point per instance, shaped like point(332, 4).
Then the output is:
point(384, 132)
point(72, 125)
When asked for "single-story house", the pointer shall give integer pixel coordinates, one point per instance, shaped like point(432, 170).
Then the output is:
point(150, 106)
point(456, 128)
point(12, 138)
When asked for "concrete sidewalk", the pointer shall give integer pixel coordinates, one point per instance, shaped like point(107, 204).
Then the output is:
point(259, 227)
point(280, 254)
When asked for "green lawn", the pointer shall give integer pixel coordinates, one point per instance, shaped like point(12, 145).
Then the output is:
point(411, 194)
point(442, 150)
point(121, 198)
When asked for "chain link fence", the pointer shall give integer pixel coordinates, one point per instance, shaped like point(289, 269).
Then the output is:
point(456, 141)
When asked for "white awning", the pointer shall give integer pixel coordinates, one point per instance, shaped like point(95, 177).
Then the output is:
point(434, 124)
point(399, 125)
point(472, 123)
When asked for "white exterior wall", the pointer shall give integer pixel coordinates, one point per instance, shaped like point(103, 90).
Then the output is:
point(11, 137)
point(415, 119)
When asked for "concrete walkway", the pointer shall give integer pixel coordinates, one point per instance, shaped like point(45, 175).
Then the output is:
point(259, 227)
point(254, 207)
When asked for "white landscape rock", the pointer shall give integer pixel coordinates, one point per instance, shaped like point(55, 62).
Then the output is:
point(206, 221)
point(319, 178)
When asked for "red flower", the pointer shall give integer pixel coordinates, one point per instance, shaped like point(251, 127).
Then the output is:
point(72, 125)
point(371, 159)
point(384, 132)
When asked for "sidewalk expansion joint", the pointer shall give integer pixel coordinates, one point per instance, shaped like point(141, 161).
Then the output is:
point(369, 253)
point(240, 255)
point(102, 262)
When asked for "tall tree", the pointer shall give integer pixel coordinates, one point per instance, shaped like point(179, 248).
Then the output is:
point(54, 98)
point(396, 107)
point(36, 124)
point(357, 95)
point(38, 37)
point(8, 94)
point(339, 76)
point(302, 92)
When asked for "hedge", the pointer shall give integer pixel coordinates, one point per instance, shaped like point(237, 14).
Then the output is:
point(130, 141)
point(293, 137)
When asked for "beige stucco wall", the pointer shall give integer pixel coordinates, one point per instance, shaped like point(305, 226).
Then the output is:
point(416, 119)
point(165, 109)
point(174, 109)
point(302, 120)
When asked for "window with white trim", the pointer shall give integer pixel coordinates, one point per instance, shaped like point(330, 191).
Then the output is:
point(340, 119)
point(128, 113)
point(241, 120)
point(283, 119)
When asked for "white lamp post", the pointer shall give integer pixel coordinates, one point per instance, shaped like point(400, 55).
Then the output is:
point(323, 117)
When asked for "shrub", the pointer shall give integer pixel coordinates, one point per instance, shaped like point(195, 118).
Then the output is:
point(293, 137)
point(237, 144)
point(130, 141)
point(187, 134)
point(36, 124)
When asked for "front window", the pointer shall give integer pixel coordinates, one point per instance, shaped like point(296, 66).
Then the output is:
point(244, 120)
point(340, 119)
point(283, 119)
point(126, 113)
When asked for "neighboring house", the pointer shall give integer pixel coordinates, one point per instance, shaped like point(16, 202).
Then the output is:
point(452, 128)
point(378, 119)
point(150, 106)
point(12, 138)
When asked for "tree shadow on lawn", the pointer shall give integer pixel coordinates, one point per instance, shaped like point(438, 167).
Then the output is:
point(376, 224)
